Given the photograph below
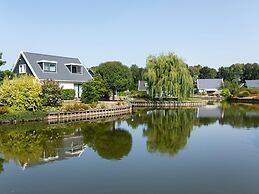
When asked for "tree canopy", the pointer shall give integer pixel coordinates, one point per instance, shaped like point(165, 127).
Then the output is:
point(116, 75)
point(168, 76)
point(207, 73)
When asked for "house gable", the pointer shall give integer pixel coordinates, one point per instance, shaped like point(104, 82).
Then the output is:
point(22, 61)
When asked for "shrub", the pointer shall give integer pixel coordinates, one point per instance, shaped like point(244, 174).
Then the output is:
point(93, 90)
point(21, 93)
point(3, 110)
point(51, 93)
point(68, 94)
point(76, 106)
point(243, 94)
point(225, 93)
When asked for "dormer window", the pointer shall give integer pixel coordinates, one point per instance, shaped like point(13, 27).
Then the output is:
point(48, 66)
point(75, 68)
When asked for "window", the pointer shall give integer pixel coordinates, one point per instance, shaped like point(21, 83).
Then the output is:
point(49, 67)
point(22, 68)
point(75, 68)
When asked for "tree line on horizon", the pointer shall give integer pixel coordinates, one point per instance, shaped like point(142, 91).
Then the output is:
point(167, 75)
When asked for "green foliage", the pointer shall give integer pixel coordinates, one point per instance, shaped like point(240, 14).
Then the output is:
point(242, 94)
point(137, 74)
point(93, 90)
point(116, 75)
point(5, 74)
point(225, 93)
point(231, 86)
point(68, 94)
point(195, 71)
point(2, 62)
point(76, 106)
point(51, 93)
point(168, 76)
point(21, 94)
point(207, 73)
point(23, 116)
point(4, 109)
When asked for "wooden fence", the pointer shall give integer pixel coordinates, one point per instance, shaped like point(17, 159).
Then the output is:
point(87, 114)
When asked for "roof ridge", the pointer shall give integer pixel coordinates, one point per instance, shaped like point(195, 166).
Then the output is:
point(49, 55)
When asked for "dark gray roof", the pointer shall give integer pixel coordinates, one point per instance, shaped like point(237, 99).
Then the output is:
point(209, 83)
point(252, 83)
point(62, 74)
point(142, 85)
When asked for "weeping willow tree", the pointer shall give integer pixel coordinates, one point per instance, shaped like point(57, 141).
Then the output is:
point(168, 76)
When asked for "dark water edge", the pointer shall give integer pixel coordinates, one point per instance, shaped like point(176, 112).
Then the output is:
point(212, 149)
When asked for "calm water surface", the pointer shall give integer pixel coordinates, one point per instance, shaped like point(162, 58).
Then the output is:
point(213, 149)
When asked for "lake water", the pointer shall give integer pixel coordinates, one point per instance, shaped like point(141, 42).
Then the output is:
point(212, 149)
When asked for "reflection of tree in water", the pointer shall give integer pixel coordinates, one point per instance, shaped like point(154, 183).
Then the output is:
point(240, 115)
point(113, 144)
point(1, 165)
point(167, 131)
point(108, 142)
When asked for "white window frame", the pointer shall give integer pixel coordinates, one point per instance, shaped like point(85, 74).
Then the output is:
point(22, 68)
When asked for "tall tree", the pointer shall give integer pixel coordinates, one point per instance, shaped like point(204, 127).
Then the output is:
point(137, 74)
point(168, 76)
point(207, 73)
point(116, 75)
point(195, 71)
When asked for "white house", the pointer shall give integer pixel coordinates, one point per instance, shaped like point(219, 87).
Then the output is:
point(69, 72)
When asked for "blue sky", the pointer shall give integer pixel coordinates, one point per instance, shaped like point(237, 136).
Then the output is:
point(207, 32)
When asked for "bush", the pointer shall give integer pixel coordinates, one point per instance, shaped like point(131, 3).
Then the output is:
point(68, 94)
point(21, 93)
point(225, 93)
point(93, 90)
point(76, 106)
point(243, 94)
point(3, 110)
point(51, 93)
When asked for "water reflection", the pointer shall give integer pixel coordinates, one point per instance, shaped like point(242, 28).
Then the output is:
point(166, 132)
point(29, 146)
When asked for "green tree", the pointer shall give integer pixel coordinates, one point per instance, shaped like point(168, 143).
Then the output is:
point(137, 74)
point(207, 73)
point(2, 62)
point(195, 71)
point(5, 74)
point(94, 90)
point(21, 93)
point(116, 76)
point(168, 76)
point(51, 93)
point(251, 71)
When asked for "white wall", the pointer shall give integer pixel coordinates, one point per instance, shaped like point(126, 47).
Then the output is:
point(66, 85)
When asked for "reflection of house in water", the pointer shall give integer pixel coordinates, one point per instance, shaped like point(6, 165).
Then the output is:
point(210, 111)
point(252, 114)
point(73, 146)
